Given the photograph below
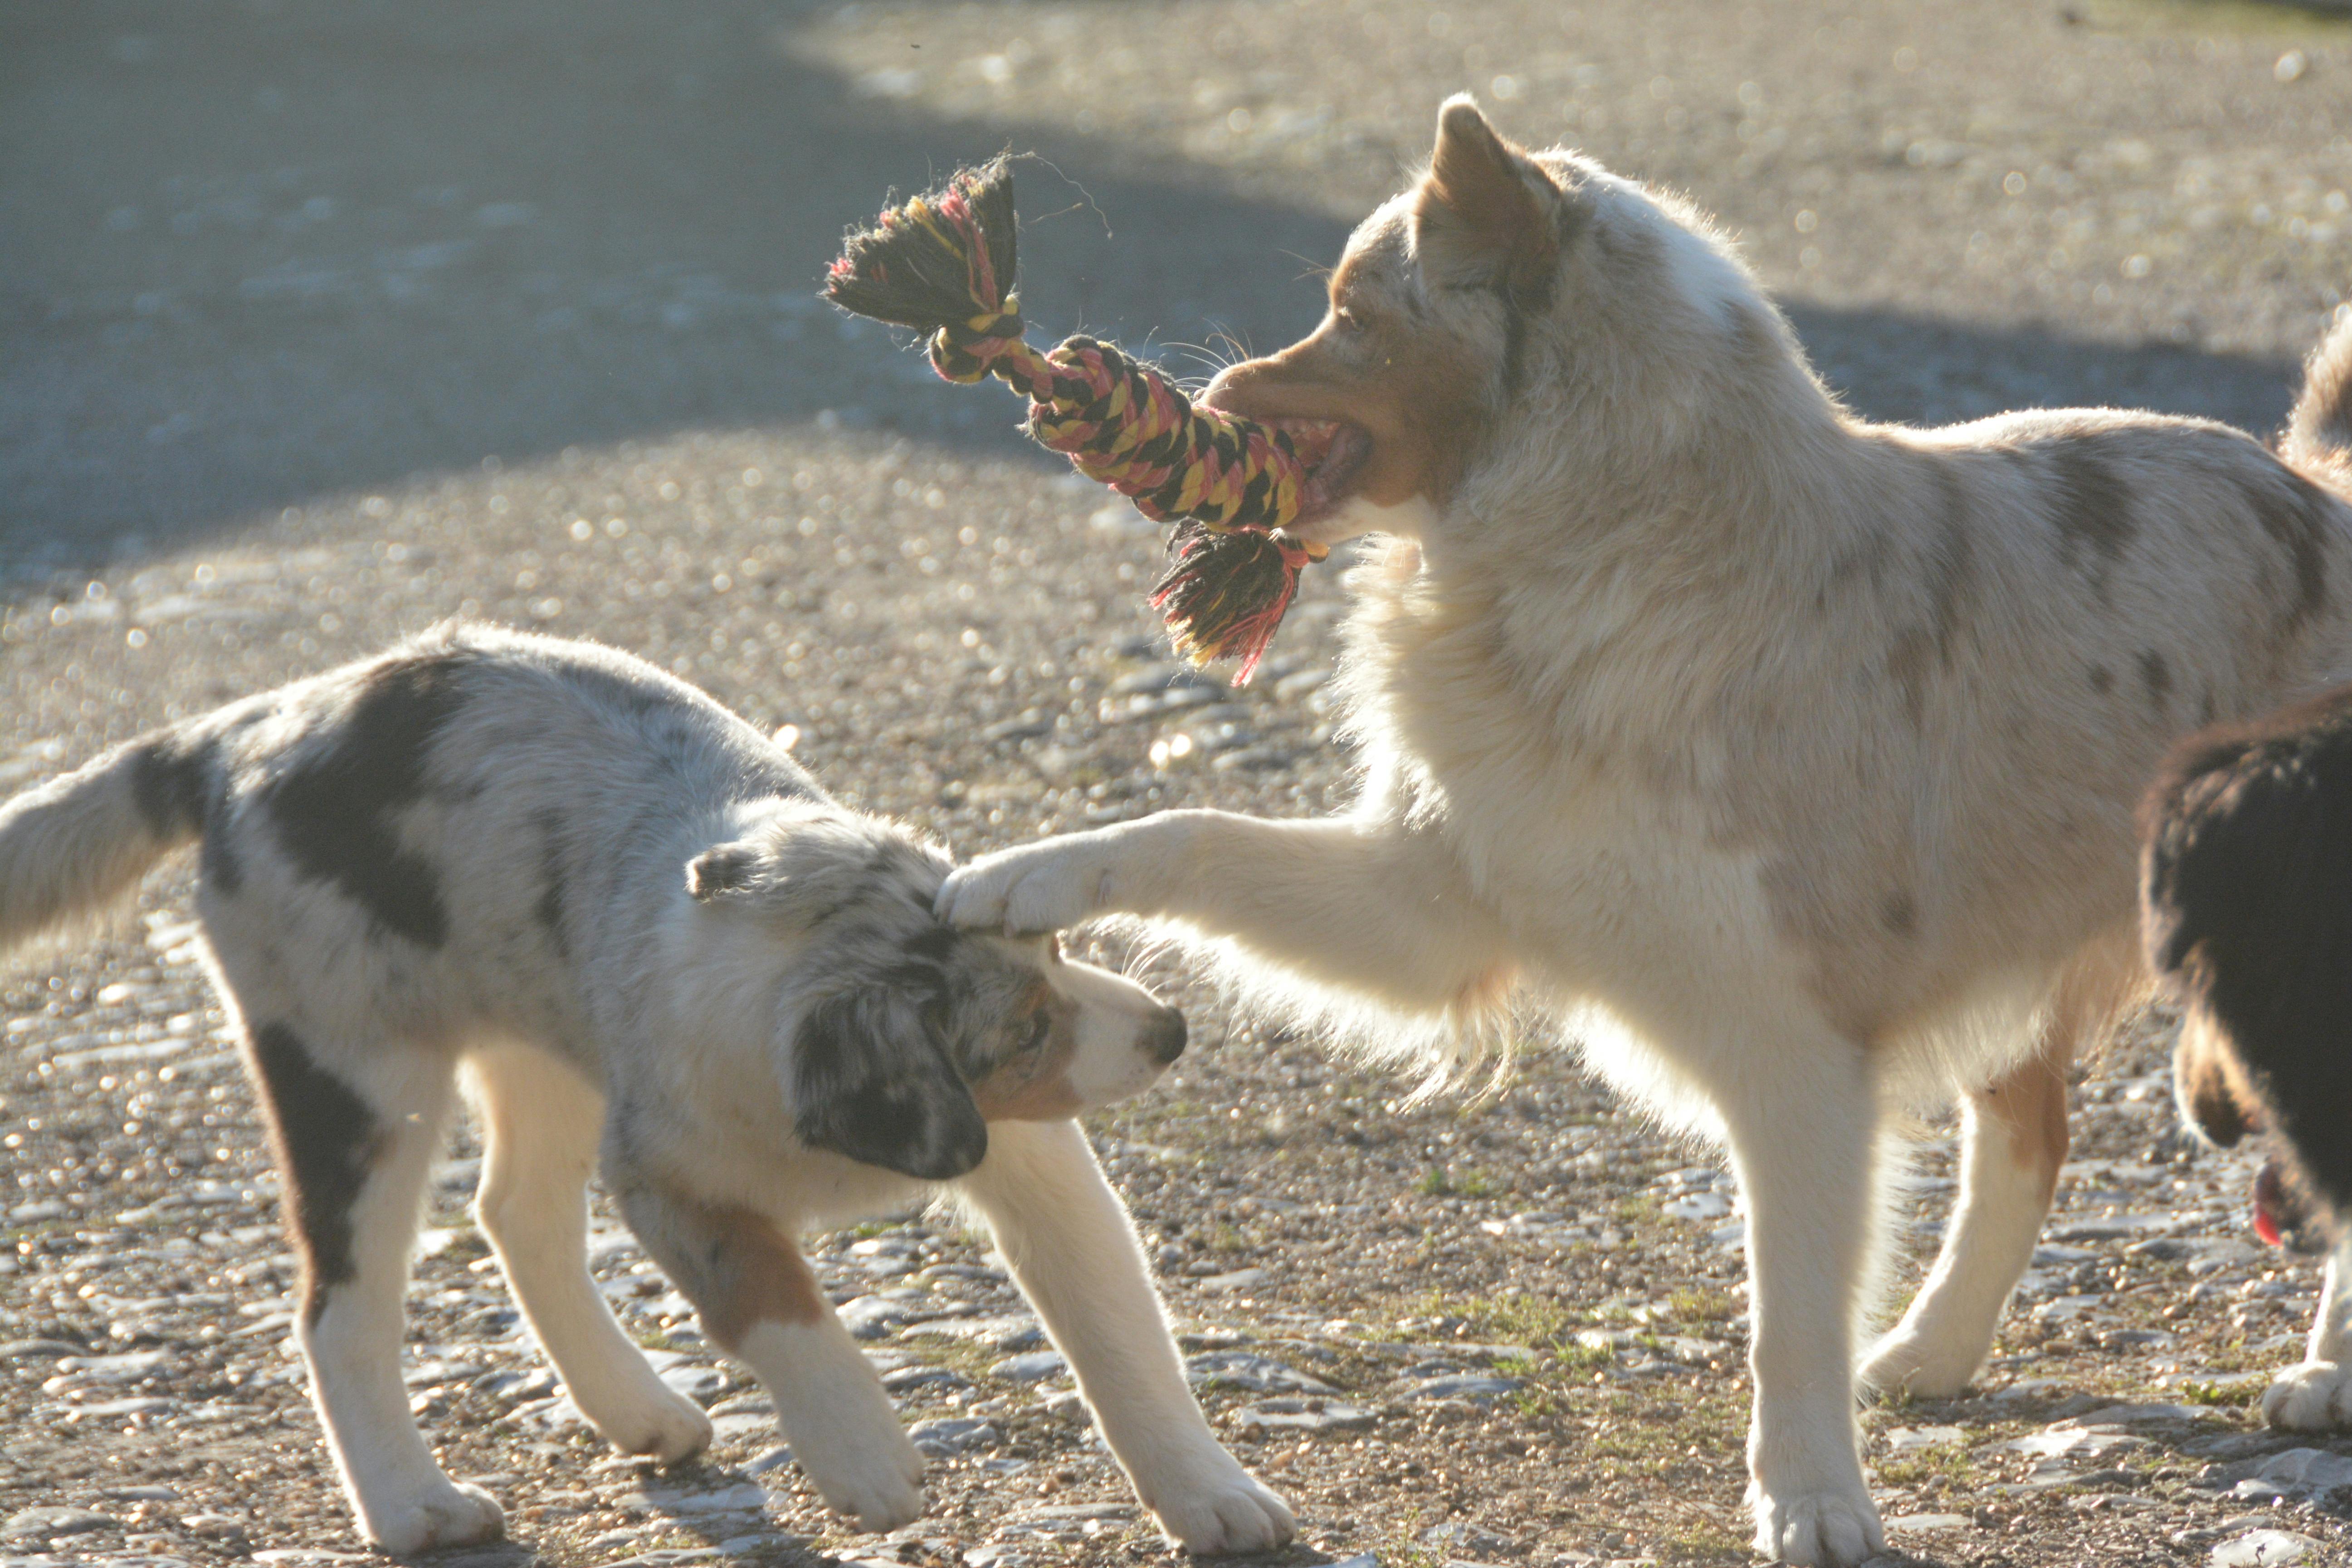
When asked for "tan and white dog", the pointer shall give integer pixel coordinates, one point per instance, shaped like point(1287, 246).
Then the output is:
point(1789, 758)
point(658, 950)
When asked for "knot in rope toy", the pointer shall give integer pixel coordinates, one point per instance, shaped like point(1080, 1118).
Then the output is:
point(943, 264)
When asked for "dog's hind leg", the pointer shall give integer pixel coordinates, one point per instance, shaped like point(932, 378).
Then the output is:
point(1800, 1115)
point(355, 1132)
point(759, 1300)
point(541, 1123)
point(1073, 1253)
point(2012, 1141)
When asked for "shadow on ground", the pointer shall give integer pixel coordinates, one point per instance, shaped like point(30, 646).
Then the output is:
point(260, 255)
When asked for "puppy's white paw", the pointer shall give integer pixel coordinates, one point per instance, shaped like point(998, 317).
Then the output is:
point(668, 1428)
point(1833, 1529)
point(448, 1514)
point(1229, 1514)
point(2315, 1396)
point(1043, 887)
point(876, 1483)
point(1920, 1364)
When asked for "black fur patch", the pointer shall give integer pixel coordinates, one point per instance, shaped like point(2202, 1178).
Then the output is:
point(2155, 679)
point(2102, 680)
point(553, 879)
point(2093, 511)
point(171, 784)
point(327, 1139)
point(871, 1082)
point(2246, 883)
point(2294, 513)
point(333, 812)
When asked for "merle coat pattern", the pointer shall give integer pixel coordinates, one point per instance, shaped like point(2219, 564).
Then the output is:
point(652, 947)
point(1788, 759)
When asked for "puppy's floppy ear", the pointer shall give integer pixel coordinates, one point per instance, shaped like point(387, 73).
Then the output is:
point(871, 1080)
point(1484, 213)
point(727, 869)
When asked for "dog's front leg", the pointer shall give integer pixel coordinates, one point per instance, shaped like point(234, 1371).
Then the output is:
point(2316, 1394)
point(1801, 1117)
point(1366, 905)
point(1074, 1255)
point(759, 1301)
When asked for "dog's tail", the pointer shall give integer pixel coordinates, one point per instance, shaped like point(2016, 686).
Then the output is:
point(77, 846)
point(2318, 439)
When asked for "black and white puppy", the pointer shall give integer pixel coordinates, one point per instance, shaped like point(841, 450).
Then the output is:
point(2246, 893)
point(651, 947)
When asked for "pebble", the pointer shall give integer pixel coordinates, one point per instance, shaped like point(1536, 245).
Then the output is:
point(945, 1438)
point(907, 1380)
point(55, 1520)
point(1245, 1370)
point(2267, 1549)
point(1911, 1439)
point(1306, 1416)
point(1466, 1386)
point(1929, 1522)
point(1239, 1279)
point(1034, 1366)
point(696, 1382)
point(2296, 1473)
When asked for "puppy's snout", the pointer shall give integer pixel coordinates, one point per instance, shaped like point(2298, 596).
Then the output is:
point(1163, 1036)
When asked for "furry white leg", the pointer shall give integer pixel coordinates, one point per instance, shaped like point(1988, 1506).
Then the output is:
point(2317, 1396)
point(1360, 904)
point(841, 1424)
point(1073, 1251)
point(541, 1121)
point(757, 1297)
point(353, 1166)
point(1802, 1138)
point(2012, 1142)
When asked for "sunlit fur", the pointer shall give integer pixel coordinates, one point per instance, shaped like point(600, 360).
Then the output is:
point(1791, 759)
point(654, 950)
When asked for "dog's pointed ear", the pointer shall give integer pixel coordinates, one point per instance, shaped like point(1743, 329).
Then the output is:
point(870, 1079)
point(1485, 214)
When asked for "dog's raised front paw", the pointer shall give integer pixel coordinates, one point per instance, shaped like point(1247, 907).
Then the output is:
point(2315, 1396)
point(876, 1484)
point(1037, 887)
point(1833, 1529)
point(450, 1514)
point(1918, 1364)
point(1224, 1515)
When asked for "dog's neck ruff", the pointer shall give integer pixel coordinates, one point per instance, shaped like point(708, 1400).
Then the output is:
point(944, 264)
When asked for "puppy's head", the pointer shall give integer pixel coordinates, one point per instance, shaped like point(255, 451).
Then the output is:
point(1500, 274)
point(902, 1037)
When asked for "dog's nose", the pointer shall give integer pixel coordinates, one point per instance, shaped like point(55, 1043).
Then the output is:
point(1163, 1036)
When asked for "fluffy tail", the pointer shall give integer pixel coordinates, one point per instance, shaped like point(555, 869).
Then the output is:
point(2318, 439)
point(77, 846)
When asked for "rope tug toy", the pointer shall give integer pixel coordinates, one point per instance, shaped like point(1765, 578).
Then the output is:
point(943, 264)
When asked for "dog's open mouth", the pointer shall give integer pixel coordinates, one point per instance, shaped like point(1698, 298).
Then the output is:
point(1335, 452)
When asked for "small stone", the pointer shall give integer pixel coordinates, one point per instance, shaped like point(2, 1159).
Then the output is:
point(1465, 1386)
point(1461, 1536)
point(2267, 1549)
point(1239, 1279)
point(1928, 1522)
point(1245, 1370)
point(945, 1438)
point(910, 1379)
point(1911, 1439)
point(55, 1520)
point(696, 1382)
point(1032, 1367)
point(1306, 1416)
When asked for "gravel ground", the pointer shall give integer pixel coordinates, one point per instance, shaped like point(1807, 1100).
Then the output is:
point(319, 323)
